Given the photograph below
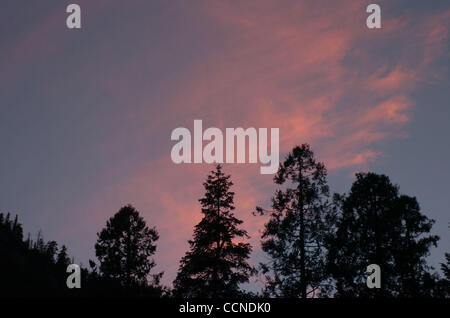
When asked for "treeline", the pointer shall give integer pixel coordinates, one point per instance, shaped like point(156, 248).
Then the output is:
point(317, 245)
point(27, 267)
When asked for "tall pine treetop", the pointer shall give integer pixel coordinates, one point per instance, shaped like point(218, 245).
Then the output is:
point(293, 236)
point(215, 264)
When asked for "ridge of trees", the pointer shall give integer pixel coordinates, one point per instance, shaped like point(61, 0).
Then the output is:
point(317, 245)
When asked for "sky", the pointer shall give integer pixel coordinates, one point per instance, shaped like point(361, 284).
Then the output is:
point(86, 115)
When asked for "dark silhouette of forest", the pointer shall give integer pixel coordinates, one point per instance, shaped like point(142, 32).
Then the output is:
point(317, 244)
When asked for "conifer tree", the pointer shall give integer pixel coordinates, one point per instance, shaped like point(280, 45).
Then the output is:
point(293, 236)
point(377, 225)
point(125, 246)
point(446, 266)
point(216, 263)
point(63, 260)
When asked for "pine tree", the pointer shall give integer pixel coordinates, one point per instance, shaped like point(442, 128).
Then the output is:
point(293, 236)
point(17, 229)
point(124, 248)
point(377, 225)
point(216, 264)
point(50, 250)
point(29, 269)
point(62, 260)
point(446, 266)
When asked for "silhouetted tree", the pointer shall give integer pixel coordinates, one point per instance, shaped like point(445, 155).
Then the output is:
point(377, 225)
point(442, 288)
point(293, 236)
point(443, 284)
point(215, 265)
point(29, 269)
point(446, 266)
point(63, 259)
point(124, 248)
point(50, 250)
